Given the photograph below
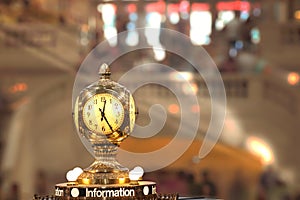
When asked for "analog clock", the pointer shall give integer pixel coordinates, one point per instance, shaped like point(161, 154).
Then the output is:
point(103, 113)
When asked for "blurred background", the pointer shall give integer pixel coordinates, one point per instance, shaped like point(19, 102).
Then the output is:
point(255, 45)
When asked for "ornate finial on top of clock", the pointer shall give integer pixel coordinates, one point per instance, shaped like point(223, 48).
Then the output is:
point(104, 71)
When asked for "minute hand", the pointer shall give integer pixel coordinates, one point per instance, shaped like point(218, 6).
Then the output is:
point(103, 116)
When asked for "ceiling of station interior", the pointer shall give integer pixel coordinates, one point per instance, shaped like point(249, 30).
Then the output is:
point(29, 67)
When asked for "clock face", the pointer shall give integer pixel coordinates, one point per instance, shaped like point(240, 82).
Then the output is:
point(103, 113)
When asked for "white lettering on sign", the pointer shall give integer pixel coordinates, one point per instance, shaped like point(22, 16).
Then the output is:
point(59, 193)
point(122, 192)
point(153, 189)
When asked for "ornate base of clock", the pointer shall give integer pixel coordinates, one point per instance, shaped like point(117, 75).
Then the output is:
point(104, 173)
point(145, 190)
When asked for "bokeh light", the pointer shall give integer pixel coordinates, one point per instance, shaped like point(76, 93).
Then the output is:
point(293, 78)
point(261, 149)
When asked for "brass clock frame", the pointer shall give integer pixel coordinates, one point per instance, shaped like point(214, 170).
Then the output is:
point(105, 169)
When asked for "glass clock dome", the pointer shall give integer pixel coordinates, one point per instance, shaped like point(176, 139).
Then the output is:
point(104, 114)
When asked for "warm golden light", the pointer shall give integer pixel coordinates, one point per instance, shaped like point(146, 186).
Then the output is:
point(173, 108)
point(297, 15)
point(258, 147)
point(18, 87)
point(293, 78)
point(122, 180)
point(86, 181)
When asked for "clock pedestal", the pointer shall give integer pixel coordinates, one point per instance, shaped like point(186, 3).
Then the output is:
point(99, 173)
point(105, 169)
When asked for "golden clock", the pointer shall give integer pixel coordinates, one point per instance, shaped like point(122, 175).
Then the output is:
point(103, 113)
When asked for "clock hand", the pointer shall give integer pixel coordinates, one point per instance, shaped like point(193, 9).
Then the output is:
point(108, 124)
point(103, 111)
point(103, 116)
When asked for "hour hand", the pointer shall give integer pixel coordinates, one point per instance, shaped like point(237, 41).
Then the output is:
point(102, 114)
point(102, 111)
